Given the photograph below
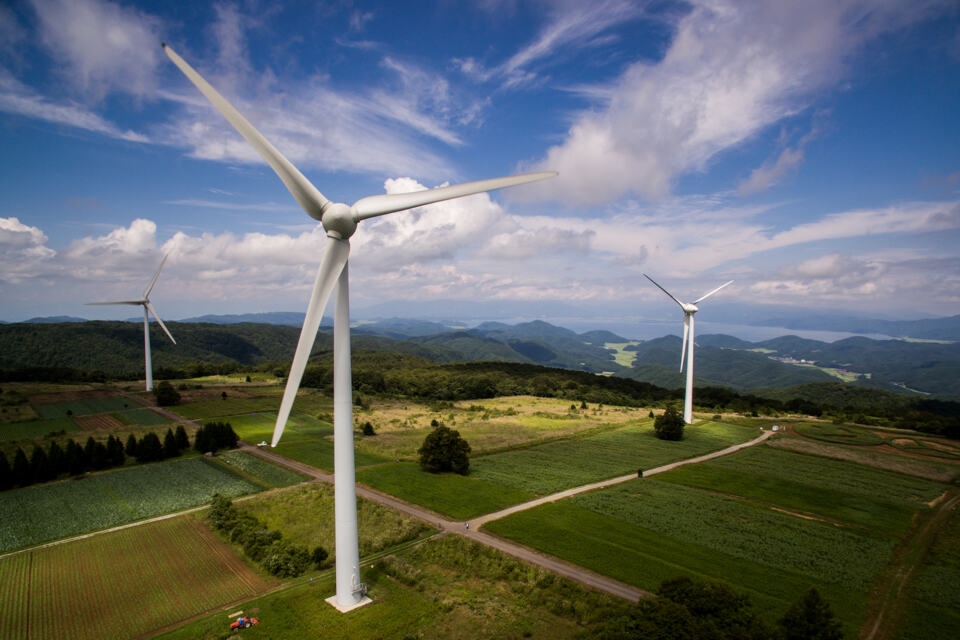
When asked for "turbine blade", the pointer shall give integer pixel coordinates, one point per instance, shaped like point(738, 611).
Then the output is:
point(163, 326)
point(131, 302)
point(664, 290)
point(712, 292)
point(372, 206)
point(330, 267)
point(686, 331)
point(303, 191)
point(146, 292)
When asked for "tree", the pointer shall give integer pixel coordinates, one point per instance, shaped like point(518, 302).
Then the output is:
point(131, 447)
point(669, 424)
point(115, 452)
point(368, 429)
point(76, 460)
point(57, 460)
point(444, 450)
point(6, 473)
point(319, 555)
point(166, 395)
point(170, 448)
point(183, 442)
point(22, 474)
point(40, 465)
point(149, 449)
point(810, 619)
point(100, 459)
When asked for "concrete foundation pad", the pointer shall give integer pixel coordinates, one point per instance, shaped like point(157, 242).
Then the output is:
point(332, 601)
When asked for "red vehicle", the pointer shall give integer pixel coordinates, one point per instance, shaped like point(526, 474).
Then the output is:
point(243, 622)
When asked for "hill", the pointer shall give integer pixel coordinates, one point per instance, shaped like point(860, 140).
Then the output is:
point(928, 329)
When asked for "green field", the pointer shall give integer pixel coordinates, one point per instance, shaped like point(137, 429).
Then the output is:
point(47, 512)
point(305, 516)
point(210, 409)
point(36, 428)
point(838, 433)
point(82, 407)
point(934, 594)
point(261, 470)
point(460, 497)
point(143, 417)
point(568, 463)
point(121, 584)
point(446, 588)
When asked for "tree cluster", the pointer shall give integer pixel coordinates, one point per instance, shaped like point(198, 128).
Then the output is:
point(166, 395)
point(444, 449)
point(151, 449)
point(213, 436)
point(690, 610)
point(669, 424)
point(260, 543)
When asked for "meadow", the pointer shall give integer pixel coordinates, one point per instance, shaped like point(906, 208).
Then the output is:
point(60, 509)
point(459, 497)
point(83, 407)
point(934, 597)
point(120, 584)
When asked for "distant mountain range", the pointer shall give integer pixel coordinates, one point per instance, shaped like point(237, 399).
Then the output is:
point(930, 329)
point(722, 360)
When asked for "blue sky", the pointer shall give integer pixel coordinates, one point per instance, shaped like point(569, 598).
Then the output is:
point(809, 151)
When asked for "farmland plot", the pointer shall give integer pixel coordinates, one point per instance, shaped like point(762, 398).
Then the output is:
point(269, 473)
point(121, 584)
point(560, 465)
point(82, 407)
point(47, 512)
point(36, 428)
point(227, 407)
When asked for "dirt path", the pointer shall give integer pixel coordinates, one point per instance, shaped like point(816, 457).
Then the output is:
point(888, 603)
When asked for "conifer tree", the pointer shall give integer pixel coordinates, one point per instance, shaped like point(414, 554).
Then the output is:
point(101, 459)
point(40, 465)
point(810, 619)
point(149, 449)
point(115, 451)
point(76, 460)
point(6, 473)
point(183, 442)
point(88, 452)
point(22, 475)
point(131, 447)
point(170, 448)
point(57, 460)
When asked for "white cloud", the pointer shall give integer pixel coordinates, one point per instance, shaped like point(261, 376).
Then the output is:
point(102, 46)
point(731, 70)
point(23, 251)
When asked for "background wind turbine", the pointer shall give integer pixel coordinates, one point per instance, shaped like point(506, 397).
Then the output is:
point(147, 309)
point(339, 221)
point(689, 308)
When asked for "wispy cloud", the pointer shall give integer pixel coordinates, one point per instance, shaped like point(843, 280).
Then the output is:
point(216, 204)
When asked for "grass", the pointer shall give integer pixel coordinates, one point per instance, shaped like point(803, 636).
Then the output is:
point(47, 512)
point(305, 516)
point(142, 417)
point(445, 588)
point(620, 355)
point(560, 465)
point(936, 601)
point(210, 409)
point(838, 433)
point(263, 471)
point(120, 585)
point(82, 407)
point(36, 428)
point(459, 497)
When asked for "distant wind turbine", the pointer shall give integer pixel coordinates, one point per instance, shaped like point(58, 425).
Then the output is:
point(147, 309)
point(689, 308)
point(339, 221)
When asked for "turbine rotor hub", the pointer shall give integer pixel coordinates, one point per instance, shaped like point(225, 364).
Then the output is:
point(338, 221)
point(691, 308)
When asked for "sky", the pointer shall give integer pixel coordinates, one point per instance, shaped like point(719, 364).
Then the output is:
point(808, 151)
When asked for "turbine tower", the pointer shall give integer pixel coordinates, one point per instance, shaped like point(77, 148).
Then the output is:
point(339, 221)
point(147, 309)
point(689, 308)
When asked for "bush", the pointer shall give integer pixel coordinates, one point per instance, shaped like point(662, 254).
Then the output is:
point(445, 450)
point(810, 619)
point(368, 429)
point(319, 556)
point(669, 425)
point(166, 395)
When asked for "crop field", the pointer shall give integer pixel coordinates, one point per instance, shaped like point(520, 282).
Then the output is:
point(838, 433)
point(263, 471)
point(36, 428)
point(445, 588)
point(305, 516)
point(489, 425)
point(568, 463)
point(460, 497)
point(209, 409)
point(936, 600)
point(47, 512)
point(99, 421)
point(82, 407)
point(645, 531)
point(143, 417)
point(121, 584)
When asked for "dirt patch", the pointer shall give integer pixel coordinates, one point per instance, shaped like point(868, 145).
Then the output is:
point(71, 396)
point(98, 422)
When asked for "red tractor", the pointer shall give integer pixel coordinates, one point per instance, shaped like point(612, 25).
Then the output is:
point(243, 622)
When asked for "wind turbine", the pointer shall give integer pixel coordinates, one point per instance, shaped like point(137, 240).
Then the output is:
point(689, 308)
point(147, 309)
point(339, 221)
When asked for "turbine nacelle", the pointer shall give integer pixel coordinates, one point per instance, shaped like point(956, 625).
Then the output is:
point(339, 220)
point(689, 307)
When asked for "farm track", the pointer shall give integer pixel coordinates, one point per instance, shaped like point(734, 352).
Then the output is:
point(470, 528)
point(888, 600)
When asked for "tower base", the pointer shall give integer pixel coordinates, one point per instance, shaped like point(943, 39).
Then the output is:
point(332, 601)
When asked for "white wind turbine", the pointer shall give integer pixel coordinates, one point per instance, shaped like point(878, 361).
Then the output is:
point(339, 221)
point(147, 309)
point(689, 308)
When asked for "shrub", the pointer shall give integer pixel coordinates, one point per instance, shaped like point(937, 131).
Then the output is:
point(445, 450)
point(319, 556)
point(669, 425)
point(810, 619)
point(166, 395)
point(368, 429)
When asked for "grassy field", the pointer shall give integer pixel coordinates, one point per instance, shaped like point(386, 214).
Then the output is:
point(121, 584)
point(935, 614)
point(47, 512)
point(260, 470)
point(460, 497)
point(305, 516)
point(82, 407)
point(446, 588)
point(36, 428)
point(568, 463)
point(211, 409)
point(142, 417)
point(620, 355)
point(837, 433)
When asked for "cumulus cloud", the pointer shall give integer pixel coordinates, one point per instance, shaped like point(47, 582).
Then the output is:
point(23, 250)
point(102, 46)
point(731, 70)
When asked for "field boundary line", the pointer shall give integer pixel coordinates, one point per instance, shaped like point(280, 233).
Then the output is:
point(566, 493)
